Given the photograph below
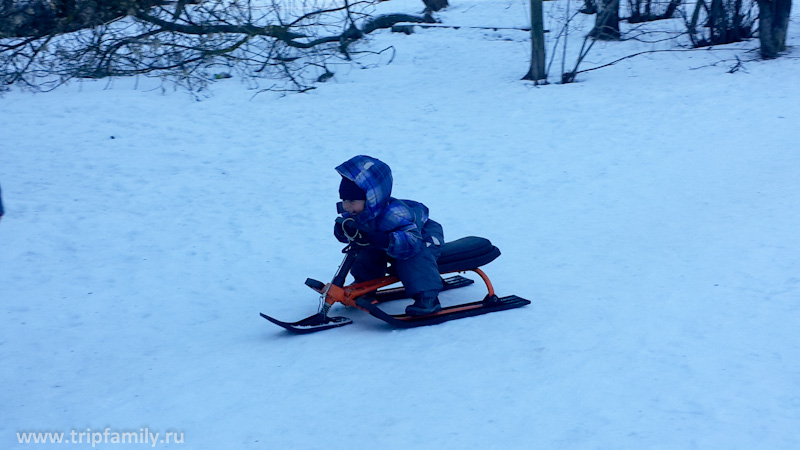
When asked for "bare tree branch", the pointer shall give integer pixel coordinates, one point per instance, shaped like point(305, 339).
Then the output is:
point(185, 42)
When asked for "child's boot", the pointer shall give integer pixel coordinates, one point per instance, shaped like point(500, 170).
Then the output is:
point(424, 303)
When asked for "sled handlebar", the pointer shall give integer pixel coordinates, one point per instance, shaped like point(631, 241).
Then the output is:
point(352, 233)
point(344, 269)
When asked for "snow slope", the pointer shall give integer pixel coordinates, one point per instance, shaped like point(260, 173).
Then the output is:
point(650, 212)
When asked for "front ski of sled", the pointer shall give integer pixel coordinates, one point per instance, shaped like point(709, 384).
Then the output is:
point(317, 322)
point(493, 304)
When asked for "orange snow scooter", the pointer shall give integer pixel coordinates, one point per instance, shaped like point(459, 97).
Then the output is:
point(467, 254)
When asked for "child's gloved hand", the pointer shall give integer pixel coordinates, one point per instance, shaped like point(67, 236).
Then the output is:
point(348, 230)
point(339, 233)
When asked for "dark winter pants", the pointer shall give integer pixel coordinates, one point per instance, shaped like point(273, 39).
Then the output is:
point(420, 273)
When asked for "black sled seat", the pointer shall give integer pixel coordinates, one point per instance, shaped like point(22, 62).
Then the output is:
point(466, 253)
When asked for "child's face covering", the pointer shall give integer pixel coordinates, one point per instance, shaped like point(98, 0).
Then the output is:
point(354, 207)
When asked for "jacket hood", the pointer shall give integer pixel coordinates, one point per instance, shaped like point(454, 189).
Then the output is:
point(374, 177)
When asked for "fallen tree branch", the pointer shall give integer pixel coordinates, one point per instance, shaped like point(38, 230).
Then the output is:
point(183, 46)
point(706, 49)
point(458, 27)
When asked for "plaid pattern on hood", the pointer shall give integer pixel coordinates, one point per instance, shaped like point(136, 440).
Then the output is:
point(374, 177)
point(403, 219)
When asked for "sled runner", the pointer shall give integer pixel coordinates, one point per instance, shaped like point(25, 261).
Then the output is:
point(463, 255)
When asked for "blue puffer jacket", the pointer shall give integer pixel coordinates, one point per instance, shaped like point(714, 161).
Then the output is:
point(403, 219)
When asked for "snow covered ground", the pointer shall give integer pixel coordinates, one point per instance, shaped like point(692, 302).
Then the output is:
point(649, 211)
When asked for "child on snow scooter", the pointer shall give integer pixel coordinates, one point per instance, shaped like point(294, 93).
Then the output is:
point(396, 231)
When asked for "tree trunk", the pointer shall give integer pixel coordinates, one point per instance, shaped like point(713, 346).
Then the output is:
point(434, 5)
point(589, 7)
point(773, 22)
point(671, 8)
point(536, 72)
point(606, 25)
point(718, 22)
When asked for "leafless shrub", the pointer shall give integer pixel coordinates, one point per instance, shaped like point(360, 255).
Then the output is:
point(715, 22)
